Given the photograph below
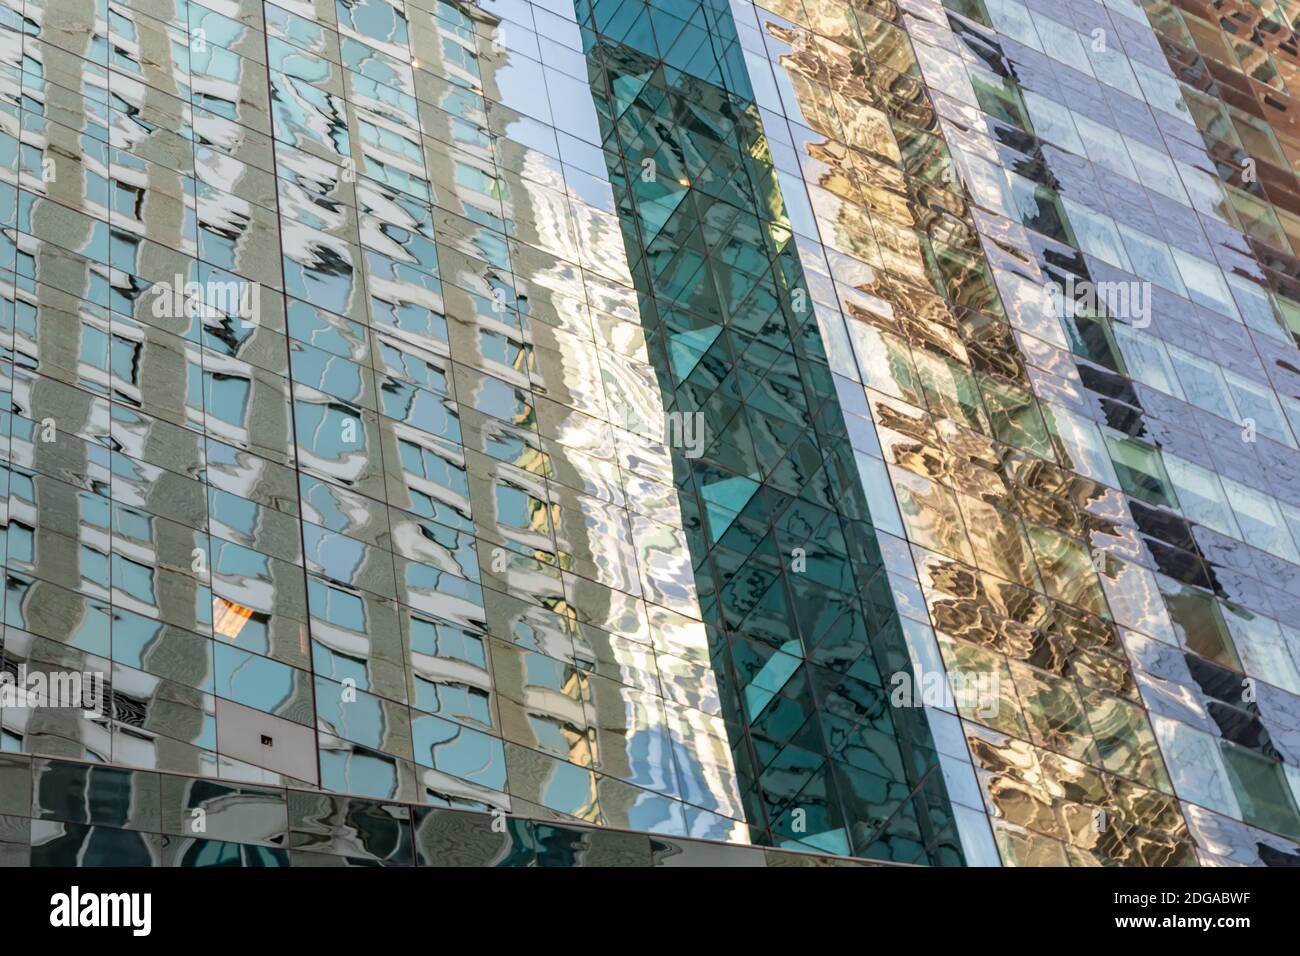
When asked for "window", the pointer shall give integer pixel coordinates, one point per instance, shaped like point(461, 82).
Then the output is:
point(1200, 496)
point(1147, 360)
point(1257, 404)
point(1261, 520)
point(1139, 470)
point(1203, 383)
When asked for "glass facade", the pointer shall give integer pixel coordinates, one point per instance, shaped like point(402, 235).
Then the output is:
point(611, 432)
point(63, 813)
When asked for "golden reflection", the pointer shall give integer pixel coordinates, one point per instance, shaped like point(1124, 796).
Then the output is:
point(229, 618)
point(985, 475)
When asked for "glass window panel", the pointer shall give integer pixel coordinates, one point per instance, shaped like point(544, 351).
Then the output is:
point(1152, 260)
point(1257, 404)
point(1200, 495)
point(1146, 359)
point(1097, 234)
point(1205, 283)
point(1081, 445)
point(1261, 520)
point(1104, 146)
point(1196, 766)
point(1262, 790)
point(1139, 469)
point(1203, 383)
point(1053, 122)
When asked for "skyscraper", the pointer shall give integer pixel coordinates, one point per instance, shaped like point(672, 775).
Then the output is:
point(644, 432)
